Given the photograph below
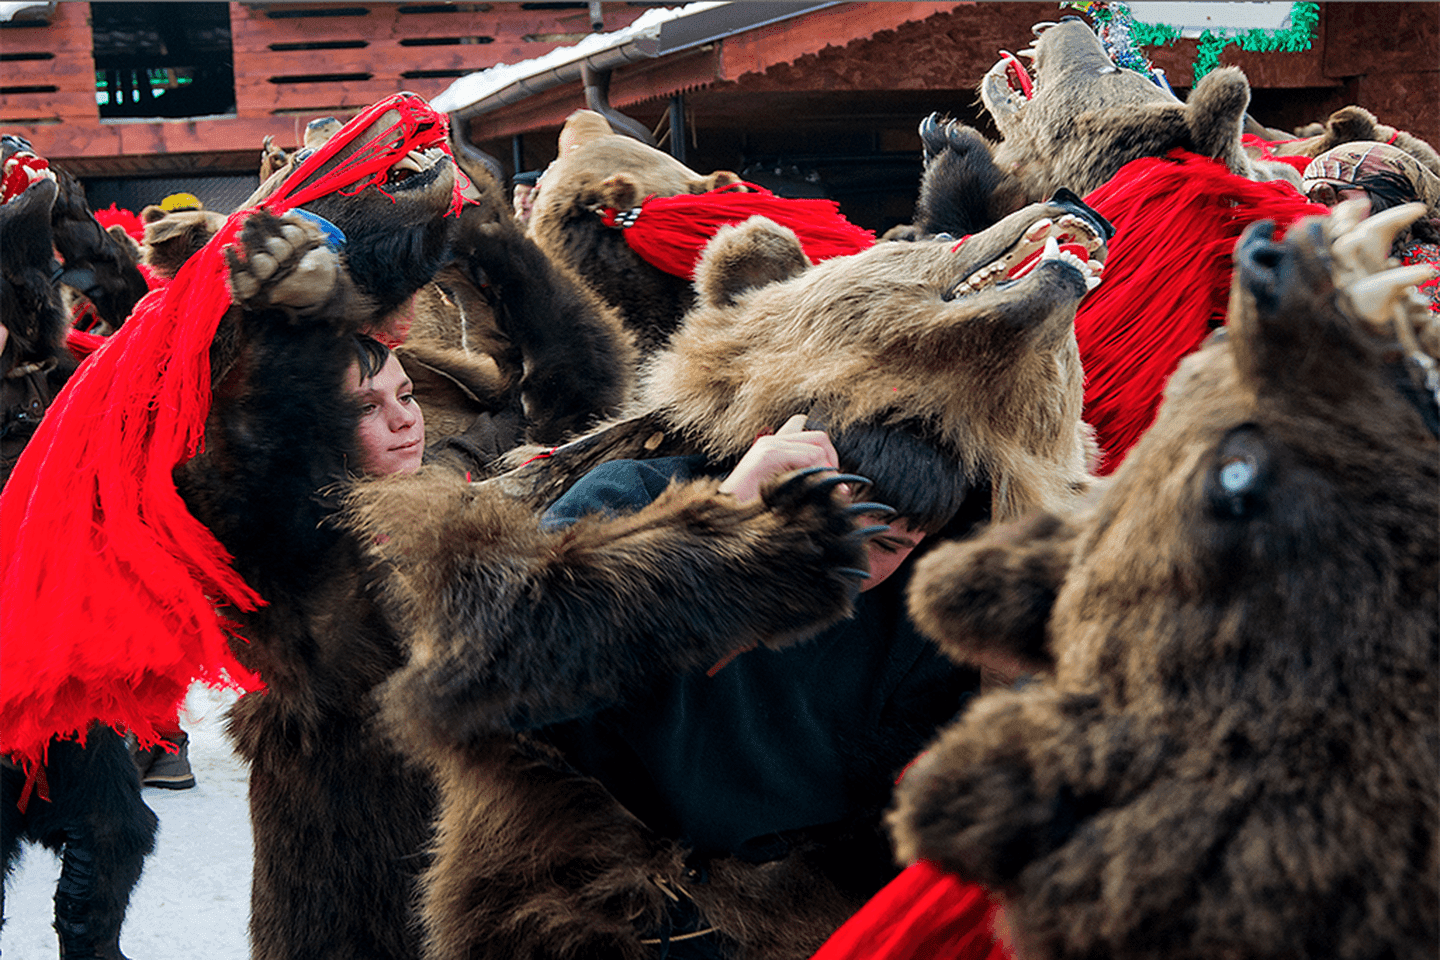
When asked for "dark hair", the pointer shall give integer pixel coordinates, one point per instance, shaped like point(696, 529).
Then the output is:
point(370, 354)
point(907, 471)
point(1387, 189)
point(529, 177)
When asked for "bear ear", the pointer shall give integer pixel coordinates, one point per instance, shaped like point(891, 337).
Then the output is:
point(745, 256)
point(1350, 123)
point(619, 191)
point(716, 180)
point(987, 600)
point(582, 127)
point(153, 212)
point(1215, 112)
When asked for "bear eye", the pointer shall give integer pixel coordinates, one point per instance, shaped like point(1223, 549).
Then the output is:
point(1240, 473)
point(1237, 474)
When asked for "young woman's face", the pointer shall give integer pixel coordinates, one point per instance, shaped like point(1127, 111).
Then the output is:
point(391, 436)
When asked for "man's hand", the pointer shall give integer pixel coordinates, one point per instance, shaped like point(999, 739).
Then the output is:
point(790, 448)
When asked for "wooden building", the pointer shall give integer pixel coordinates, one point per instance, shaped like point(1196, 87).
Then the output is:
point(821, 98)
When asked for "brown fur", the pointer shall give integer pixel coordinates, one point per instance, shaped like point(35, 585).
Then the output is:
point(173, 238)
point(1356, 123)
point(598, 168)
point(504, 346)
point(1237, 752)
point(340, 817)
point(532, 860)
point(874, 338)
point(1088, 118)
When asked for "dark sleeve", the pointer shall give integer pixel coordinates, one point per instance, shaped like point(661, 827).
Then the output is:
point(617, 488)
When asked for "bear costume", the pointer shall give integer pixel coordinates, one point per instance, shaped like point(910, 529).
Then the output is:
point(540, 851)
point(599, 168)
point(1233, 748)
point(340, 817)
point(87, 809)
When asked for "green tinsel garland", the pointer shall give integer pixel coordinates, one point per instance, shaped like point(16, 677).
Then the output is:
point(1300, 36)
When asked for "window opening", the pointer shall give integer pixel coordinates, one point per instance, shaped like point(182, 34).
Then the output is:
point(163, 60)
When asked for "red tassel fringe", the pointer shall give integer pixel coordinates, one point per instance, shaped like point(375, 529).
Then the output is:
point(1166, 283)
point(922, 914)
point(671, 232)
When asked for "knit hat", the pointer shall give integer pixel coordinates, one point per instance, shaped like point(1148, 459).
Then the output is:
point(1348, 165)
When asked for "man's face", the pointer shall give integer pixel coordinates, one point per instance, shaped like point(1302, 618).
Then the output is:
point(890, 549)
point(391, 436)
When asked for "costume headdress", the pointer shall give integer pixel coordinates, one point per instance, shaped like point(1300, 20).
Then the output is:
point(108, 585)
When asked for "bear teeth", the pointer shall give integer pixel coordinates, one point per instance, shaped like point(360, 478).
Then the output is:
point(1071, 239)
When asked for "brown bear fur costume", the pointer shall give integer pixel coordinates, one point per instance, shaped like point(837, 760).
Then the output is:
point(504, 346)
point(598, 168)
point(1233, 748)
point(341, 818)
point(1347, 125)
point(962, 346)
point(92, 816)
point(1086, 118)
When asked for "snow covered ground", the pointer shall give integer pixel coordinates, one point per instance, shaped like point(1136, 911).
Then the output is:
point(193, 900)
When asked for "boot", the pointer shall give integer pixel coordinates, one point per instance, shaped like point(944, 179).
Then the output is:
point(170, 770)
point(75, 920)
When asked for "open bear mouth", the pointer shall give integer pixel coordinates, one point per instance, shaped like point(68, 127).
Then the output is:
point(1071, 238)
point(22, 170)
point(416, 170)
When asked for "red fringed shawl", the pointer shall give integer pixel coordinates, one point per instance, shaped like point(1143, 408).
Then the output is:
point(922, 914)
point(108, 585)
point(1166, 282)
point(671, 232)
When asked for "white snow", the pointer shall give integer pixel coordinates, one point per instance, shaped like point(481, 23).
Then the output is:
point(193, 900)
point(476, 86)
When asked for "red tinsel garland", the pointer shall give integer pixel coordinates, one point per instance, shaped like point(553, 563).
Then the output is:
point(1166, 283)
point(108, 585)
point(670, 233)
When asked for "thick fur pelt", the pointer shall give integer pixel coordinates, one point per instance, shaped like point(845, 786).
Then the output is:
point(340, 819)
point(1236, 749)
point(962, 190)
point(1084, 120)
point(534, 860)
point(95, 820)
point(1351, 123)
point(570, 358)
point(531, 859)
point(97, 266)
point(919, 332)
point(925, 336)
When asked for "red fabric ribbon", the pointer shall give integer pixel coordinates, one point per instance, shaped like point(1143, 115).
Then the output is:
point(108, 585)
point(670, 233)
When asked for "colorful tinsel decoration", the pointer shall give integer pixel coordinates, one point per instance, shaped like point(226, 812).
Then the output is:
point(1123, 36)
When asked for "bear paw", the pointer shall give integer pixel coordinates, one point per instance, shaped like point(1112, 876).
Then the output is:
point(806, 500)
point(282, 262)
